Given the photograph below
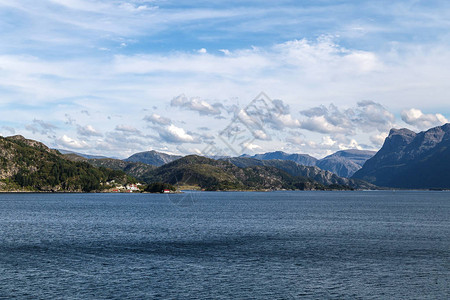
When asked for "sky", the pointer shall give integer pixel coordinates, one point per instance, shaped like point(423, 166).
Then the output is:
point(214, 77)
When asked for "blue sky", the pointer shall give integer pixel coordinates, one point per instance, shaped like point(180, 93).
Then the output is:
point(118, 77)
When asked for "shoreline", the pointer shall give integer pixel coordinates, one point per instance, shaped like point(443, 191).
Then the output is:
point(223, 191)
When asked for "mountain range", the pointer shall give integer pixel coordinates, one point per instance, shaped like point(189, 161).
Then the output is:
point(406, 160)
point(322, 176)
point(346, 162)
point(343, 163)
point(411, 160)
point(211, 174)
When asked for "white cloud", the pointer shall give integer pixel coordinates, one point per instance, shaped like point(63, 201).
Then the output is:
point(322, 125)
point(367, 116)
point(176, 135)
point(157, 119)
point(70, 143)
point(41, 127)
point(371, 116)
point(378, 139)
point(328, 141)
point(304, 73)
point(261, 135)
point(420, 120)
point(88, 131)
point(353, 144)
point(252, 147)
point(127, 129)
point(196, 104)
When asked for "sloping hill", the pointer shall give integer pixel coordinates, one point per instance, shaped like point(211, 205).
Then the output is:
point(152, 158)
point(27, 165)
point(301, 159)
point(135, 169)
point(346, 162)
point(88, 156)
point(213, 174)
point(411, 160)
point(343, 163)
point(294, 169)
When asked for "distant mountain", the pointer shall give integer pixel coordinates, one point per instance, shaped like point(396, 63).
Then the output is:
point(346, 162)
point(294, 169)
point(28, 165)
point(153, 158)
point(135, 169)
point(343, 163)
point(301, 159)
point(411, 160)
point(212, 174)
point(62, 151)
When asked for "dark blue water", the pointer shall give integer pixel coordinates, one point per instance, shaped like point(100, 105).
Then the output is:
point(280, 245)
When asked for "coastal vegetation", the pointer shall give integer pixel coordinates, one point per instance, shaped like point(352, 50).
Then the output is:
point(27, 165)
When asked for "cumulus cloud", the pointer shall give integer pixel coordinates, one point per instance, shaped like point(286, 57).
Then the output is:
point(157, 119)
point(88, 131)
point(322, 124)
point(420, 120)
point(325, 146)
point(127, 129)
point(40, 126)
point(252, 147)
point(328, 119)
point(196, 104)
point(176, 135)
point(264, 112)
point(371, 115)
point(261, 135)
point(368, 116)
point(70, 143)
point(378, 139)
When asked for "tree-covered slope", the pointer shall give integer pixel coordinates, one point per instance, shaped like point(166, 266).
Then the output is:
point(323, 177)
point(27, 165)
point(213, 174)
point(134, 169)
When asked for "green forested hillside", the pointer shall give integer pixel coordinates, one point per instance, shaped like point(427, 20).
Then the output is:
point(134, 169)
point(27, 165)
point(213, 174)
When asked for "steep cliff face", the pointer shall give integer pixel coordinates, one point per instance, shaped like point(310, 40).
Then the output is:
point(411, 160)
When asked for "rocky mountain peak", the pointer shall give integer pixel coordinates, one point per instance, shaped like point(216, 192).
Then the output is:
point(408, 159)
point(31, 143)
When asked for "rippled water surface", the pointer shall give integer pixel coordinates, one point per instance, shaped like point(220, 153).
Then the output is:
point(278, 245)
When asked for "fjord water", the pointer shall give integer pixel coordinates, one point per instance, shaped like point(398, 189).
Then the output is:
point(219, 245)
